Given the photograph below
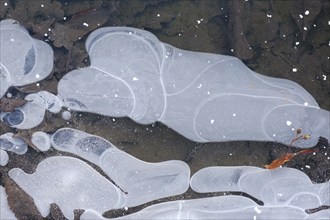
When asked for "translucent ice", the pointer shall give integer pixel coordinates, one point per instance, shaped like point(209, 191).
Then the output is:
point(23, 60)
point(142, 181)
point(32, 113)
point(205, 97)
point(4, 158)
point(224, 207)
point(14, 144)
point(70, 183)
point(5, 211)
point(284, 186)
point(41, 140)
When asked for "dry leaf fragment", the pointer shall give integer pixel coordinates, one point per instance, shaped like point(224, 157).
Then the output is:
point(286, 158)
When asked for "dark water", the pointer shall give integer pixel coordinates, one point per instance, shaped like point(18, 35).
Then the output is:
point(286, 39)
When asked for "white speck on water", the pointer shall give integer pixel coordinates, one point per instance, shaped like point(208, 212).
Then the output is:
point(179, 34)
point(307, 166)
point(42, 6)
point(305, 103)
point(116, 95)
point(208, 92)
point(232, 50)
point(135, 79)
point(301, 16)
point(198, 21)
point(269, 16)
point(306, 12)
point(297, 43)
point(284, 35)
point(265, 42)
point(230, 154)
point(37, 76)
point(64, 18)
point(294, 70)
point(288, 123)
point(45, 34)
point(234, 114)
point(212, 121)
point(314, 153)
point(49, 29)
point(12, 40)
point(85, 24)
point(5, 4)
point(305, 28)
point(158, 15)
point(329, 23)
point(199, 86)
point(38, 84)
point(113, 119)
point(257, 210)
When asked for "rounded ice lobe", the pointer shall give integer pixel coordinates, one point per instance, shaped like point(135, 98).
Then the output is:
point(23, 59)
point(14, 144)
point(4, 158)
point(70, 183)
point(66, 115)
point(41, 140)
point(205, 97)
point(141, 181)
point(14, 118)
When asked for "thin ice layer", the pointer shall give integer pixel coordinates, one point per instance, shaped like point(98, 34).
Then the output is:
point(224, 207)
point(6, 212)
point(70, 183)
point(23, 59)
point(284, 186)
point(141, 181)
point(14, 144)
point(33, 112)
point(205, 97)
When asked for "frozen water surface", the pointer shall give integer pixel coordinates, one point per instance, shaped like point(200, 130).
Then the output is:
point(14, 144)
point(70, 183)
point(6, 212)
point(224, 207)
point(141, 181)
point(283, 186)
point(23, 60)
point(199, 95)
point(33, 112)
point(41, 140)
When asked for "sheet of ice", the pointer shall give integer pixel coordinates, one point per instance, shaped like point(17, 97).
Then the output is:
point(205, 97)
point(32, 113)
point(278, 187)
point(224, 207)
point(4, 158)
point(5, 211)
point(14, 144)
point(142, 181)
point(70, 183)
point(23, 59)
point(41, 140)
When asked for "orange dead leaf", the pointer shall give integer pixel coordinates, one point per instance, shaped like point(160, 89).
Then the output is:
point(285, 158)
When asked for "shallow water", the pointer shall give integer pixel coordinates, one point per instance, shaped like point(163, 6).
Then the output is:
point(275, 38)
